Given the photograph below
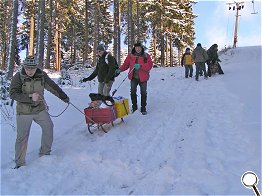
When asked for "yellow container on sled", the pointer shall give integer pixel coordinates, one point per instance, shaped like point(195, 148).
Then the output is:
point(122, 107)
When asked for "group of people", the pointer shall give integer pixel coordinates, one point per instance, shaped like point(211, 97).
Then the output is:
point(201, 57)
point(139, 64)
point(27, 88)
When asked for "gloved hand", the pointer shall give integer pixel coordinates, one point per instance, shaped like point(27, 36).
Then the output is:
point(117, 71)
point(86, 79)
point(136, 66)
point(66, 100)
point(218, 60)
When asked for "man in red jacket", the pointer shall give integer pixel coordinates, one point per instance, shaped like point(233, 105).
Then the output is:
point(139, 64)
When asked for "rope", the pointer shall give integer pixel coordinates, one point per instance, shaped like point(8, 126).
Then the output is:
point(47, 108)
point(65, 110)
point(122, 82)
point(83, 113)
point(60, 113)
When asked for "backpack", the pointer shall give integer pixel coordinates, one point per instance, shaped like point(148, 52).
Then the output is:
point(116, 64)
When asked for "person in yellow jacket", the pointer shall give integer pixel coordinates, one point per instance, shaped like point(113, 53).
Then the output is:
point(187, 62)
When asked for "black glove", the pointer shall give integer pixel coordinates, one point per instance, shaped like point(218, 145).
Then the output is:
point(66, 100)
point(218, 60)
point(86, 79)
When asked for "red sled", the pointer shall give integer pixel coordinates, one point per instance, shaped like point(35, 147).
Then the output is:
point(100, 116)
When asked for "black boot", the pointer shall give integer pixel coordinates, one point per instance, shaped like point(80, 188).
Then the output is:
point(143, 110)
point(134, 108)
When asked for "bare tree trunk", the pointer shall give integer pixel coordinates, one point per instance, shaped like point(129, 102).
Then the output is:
point(117, 35)
point(85, 56)
point(11, 54)
point(32, 29)
point(162, 45)
point(49, 39)
point(162, 39)
point(4, 54)
point(74, 44)
point(166, 35)
point(130, 26)
point(41, 16)
point(154, 44)
point(56, 41)
point(96, 32)
point(119, 40)
point(138, 36)
point(179, 54)
point(4, 36)
point(171, 51)
point(71, 54)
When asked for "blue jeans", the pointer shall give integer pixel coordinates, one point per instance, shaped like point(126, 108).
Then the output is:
point(143, 91)
point(188, 69)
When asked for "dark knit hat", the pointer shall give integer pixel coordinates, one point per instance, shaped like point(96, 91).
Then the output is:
point(198, 44)
point(30, 62)
point(137, 44)
point(100, 47)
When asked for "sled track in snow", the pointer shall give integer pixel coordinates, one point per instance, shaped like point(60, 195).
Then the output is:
point(154, 153)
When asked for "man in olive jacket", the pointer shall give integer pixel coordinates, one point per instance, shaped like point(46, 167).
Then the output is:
point(105, 71)
point(200, 57)
point(27, 89)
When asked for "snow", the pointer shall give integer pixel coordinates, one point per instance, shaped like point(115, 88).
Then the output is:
point(198, 138)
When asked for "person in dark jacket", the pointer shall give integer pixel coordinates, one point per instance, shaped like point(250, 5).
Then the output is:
point(105, 71)
point(27, 89)
point(200, 57)
point(139, 63)
point(213, 58)
point(187, 62)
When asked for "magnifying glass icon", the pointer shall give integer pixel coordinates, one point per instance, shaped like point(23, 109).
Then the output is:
point(249, 179)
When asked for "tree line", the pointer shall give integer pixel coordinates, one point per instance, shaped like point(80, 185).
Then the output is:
point(68, 30)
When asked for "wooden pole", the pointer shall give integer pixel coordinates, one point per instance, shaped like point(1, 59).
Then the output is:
point(236, 27)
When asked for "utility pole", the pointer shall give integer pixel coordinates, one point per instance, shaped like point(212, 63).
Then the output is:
point(236, 6)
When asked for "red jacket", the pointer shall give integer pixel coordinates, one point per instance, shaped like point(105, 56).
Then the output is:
point(144, 69)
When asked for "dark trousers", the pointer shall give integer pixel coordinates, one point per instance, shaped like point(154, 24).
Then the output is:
point(200, 66)
point(143, 91)
point(188, 69)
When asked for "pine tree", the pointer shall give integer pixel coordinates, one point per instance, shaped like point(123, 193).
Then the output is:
point(5, 9)
point(41, 16)
point(13, 42)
